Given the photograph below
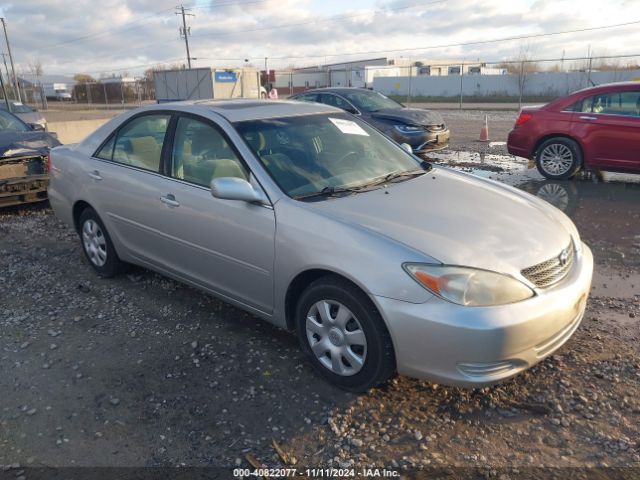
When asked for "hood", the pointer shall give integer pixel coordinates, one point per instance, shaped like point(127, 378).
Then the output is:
point(458, 220)
point(410, 116)
point(26, 143)
point(31, 117)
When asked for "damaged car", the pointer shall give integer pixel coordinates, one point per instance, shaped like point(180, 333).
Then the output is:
point(423, 130)
point(23, 161)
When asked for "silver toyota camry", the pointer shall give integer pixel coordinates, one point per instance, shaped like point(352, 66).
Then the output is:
point(311, 219)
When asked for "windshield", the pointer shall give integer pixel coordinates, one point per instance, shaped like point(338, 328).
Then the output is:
point(9, 123)
point(370, 101)
point(310, 154)
point(16, 107)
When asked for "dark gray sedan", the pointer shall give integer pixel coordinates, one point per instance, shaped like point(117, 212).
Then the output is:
point(423, 130)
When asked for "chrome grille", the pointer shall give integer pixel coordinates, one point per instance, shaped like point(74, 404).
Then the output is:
point(551, 271)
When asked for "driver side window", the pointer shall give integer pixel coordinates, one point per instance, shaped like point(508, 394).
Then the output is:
point(334, 101)
point(201, 153)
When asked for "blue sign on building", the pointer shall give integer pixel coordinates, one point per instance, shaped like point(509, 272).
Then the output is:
point(225, 77)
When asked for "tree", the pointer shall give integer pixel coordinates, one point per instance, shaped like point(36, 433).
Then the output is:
point(83, 78)
point(521, 66)
point(35, 67)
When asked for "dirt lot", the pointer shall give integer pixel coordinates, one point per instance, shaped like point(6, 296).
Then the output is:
point(143, 371)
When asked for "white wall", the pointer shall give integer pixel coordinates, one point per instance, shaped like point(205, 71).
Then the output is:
point(549, 84)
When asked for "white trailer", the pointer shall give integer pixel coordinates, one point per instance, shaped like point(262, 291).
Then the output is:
point(57, 91)
point(207, 83)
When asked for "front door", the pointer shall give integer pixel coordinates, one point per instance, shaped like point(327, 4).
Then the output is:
point(223, 245)
point(610, 129)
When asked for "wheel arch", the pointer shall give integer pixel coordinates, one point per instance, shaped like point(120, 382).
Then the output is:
point(549, 136)
point(300, 282)
point(79, 207)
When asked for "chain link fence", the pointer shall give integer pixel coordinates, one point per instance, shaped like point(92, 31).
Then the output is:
point(108, 94)
point(467, 82)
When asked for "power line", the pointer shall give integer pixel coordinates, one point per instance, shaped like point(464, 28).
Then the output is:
point(463, 44)
point(109, 31)
point(272, 27)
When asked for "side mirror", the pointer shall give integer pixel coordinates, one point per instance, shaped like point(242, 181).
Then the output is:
point(234, 188)
point(407, 147)
point(36, 127)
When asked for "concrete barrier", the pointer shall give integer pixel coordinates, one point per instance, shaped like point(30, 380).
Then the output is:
point(75, 131)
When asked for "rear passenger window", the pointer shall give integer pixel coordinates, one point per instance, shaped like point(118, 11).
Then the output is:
point(106, 152)
point(138, 143)
point(582, 106)
point(201, 153)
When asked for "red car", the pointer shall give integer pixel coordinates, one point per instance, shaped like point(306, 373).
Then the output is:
point(596, 128)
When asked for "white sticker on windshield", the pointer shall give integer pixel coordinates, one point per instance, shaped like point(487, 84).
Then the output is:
point(348, 127)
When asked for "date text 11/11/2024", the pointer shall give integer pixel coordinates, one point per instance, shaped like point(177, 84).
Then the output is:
point(338, 473)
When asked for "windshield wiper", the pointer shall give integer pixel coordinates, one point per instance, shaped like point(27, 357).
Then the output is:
point(426, 166)
point(329, 192)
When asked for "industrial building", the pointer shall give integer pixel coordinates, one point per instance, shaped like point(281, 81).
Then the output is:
point(361, 73)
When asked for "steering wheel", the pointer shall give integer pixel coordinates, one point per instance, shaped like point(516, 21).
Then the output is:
point(207, 154)
point(347, 155)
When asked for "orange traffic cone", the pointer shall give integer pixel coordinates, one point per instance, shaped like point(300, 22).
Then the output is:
point(484, 131)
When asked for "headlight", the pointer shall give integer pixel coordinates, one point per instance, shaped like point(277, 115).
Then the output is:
point(408, 129)
point(468, 286)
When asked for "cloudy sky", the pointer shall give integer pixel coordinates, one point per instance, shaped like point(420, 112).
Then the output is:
point(118, 36)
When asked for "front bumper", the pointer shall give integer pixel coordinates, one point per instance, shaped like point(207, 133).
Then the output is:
point(478, 346)
point(424, 141)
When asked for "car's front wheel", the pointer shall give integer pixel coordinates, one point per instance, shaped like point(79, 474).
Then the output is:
point(343, 334)
point(97, 245)
point(559, 158)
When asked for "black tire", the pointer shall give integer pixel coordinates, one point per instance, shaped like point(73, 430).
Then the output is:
point(562, 144)
point(112, 264)
point(379, 362)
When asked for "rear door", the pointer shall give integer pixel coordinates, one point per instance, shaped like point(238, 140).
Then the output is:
point(609, 126)
point(123, 174)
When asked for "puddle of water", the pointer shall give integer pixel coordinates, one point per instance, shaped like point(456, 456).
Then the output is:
point(479, 163)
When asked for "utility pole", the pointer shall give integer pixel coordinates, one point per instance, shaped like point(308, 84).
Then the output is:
point(15, 79)
point(184, 30)
point(4, 59)
point(4, 93)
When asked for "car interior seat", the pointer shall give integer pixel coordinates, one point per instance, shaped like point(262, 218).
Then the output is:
point(143, 152)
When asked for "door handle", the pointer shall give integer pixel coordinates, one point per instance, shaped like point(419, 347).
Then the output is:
point(95, 175)
point(585, 117)
point(170, 200)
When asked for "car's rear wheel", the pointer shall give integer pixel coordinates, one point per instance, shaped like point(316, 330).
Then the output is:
point(343, 334)
point(559, 158)
point(97, 245)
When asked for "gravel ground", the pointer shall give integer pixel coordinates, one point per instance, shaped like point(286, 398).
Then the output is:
point(143, 371)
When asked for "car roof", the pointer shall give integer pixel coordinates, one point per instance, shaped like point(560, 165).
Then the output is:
point(340, 90)
point(240, 110)
point(611, 86)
